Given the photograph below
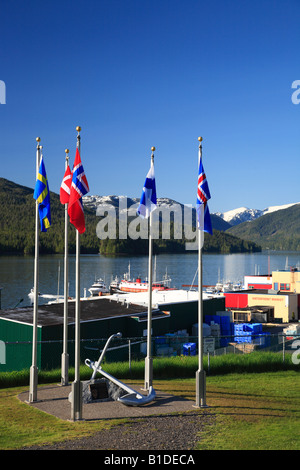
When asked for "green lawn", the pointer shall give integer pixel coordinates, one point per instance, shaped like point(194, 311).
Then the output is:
point(258, 411)
point(254, 412)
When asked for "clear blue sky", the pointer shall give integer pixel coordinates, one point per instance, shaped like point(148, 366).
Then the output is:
point(140, 73)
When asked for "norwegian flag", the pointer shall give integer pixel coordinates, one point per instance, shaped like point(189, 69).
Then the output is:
point(65, 186)
point(203, 195)
point(79, 188)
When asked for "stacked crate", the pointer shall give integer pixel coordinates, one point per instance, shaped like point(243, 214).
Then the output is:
point(225, 330)
point(254, 328)
point(220, 327)
point(241, 333)
point(262, 339)
point(251, 333)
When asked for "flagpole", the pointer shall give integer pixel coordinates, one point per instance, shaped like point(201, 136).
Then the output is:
point(77, 386)
point(34, 368)
point(200, 374)
point(148, 359)
point(65, 355)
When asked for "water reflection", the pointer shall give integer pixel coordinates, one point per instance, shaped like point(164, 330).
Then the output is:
point(16, 272)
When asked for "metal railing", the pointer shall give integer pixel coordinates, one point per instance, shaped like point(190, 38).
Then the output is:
point(17, 355)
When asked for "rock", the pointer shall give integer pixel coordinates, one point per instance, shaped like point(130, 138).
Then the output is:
point(99, 390)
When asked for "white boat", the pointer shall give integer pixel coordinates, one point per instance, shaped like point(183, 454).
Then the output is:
point(98, 288)
point(114, 285)
point(31, 295)
point(219, 287)
point(127, 285)
point(52, 297)
point(210, 290)
point(228, 286)
point(238, 286)
point(57, 297)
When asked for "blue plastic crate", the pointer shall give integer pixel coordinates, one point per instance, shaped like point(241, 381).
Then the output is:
point(262, 339)
point(254, 327)
point(238, 326)
point(214, 318)
point(189, 349)
point(225, 326)
point(244, 339)
point(160, 340)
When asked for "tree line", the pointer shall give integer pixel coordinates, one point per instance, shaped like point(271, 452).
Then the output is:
point(17, 231)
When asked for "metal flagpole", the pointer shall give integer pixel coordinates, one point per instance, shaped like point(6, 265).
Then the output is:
point(34, 368)
point(200, 374)
point(65, 355)
point(148, 359)
point(77, 385)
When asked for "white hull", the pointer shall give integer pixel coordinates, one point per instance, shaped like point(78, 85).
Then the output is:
point(98, 288)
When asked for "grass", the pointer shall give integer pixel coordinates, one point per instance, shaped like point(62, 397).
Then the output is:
point(22, 425)
point(166, 368)
point(253, 410)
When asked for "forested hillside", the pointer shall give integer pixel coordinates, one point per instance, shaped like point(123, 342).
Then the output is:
point(17, 224)
point(17, 227)
point(278, 230)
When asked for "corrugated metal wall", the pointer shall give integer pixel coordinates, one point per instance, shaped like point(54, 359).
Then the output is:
point(19, 356)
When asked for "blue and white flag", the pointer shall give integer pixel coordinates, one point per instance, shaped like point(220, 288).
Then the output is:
point(148, 200)
point(42, 196)
point(203, 194)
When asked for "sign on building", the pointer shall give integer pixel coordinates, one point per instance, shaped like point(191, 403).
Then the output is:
point(208, 345)
point(2, 353)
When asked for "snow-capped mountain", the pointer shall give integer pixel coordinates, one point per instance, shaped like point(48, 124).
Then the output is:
point(277, 208)
point(92, 202)
point(244, 214)
point(232, 217)
point(123, 205)
point(120, 202)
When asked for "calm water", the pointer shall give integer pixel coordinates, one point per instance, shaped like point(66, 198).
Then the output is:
point(16, 272)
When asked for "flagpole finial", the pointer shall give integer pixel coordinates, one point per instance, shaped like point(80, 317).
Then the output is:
point(152, 155)
point(78, 128)
point(67, 151)
point(200, 139)
point(38, 139)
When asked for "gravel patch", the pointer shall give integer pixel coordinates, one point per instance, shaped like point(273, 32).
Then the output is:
point(164, 432)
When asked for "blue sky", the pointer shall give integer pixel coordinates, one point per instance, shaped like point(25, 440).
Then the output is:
point(138, 73)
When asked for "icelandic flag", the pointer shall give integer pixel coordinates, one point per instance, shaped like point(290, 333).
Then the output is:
point(42, 196)
point(203, 195)
point(148, 200)
point(65, 187)
point(79, 188)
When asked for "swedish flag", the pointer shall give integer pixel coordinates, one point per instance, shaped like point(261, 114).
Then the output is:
point(42, 196)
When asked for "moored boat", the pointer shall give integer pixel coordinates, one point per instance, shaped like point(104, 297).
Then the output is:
point(52, 297)
point(114, 285)
point(141, 286)
point(127, 285)
point(98, 288)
